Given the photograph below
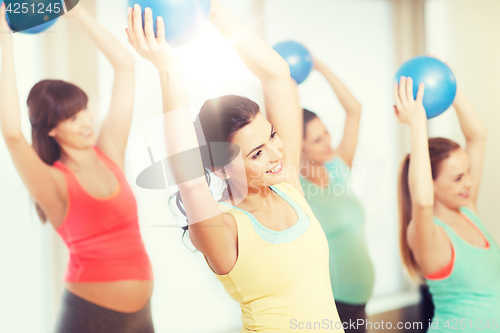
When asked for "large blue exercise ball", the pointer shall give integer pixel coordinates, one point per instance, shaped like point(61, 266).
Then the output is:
point(440, 83)
point(298, 58)
point(184, 19)
point(37, 16)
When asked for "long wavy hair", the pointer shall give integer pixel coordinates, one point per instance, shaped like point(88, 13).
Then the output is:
point(49, 103)
point(439, 150)
point(220, 119)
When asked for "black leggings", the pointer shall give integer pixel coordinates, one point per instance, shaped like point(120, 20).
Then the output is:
point(349, 314)
point(81, 316)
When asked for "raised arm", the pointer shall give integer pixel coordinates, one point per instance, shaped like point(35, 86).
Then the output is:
point(116, 126)
point(280, 94)
point(475, 135)
point(38, 177)
point(423, 236)
point(347, 147)
point(210, 231)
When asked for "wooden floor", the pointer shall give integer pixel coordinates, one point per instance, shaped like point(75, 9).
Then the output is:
point(411, 316)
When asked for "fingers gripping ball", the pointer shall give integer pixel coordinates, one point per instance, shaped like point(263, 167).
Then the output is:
point(298, 58)
point(184, 19)
point(32, 16)
point(440, 83)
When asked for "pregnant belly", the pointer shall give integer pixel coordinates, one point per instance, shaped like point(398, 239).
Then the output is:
point(124, 296)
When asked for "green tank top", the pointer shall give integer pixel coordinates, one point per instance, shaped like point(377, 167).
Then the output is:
point(342, 217)
point(469, 298)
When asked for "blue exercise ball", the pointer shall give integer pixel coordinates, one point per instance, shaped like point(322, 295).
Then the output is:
point(184, 19)
point(37, 15)
point(440, 83)
point(298, 58)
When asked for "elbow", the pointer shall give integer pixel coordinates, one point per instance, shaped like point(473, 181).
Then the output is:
point(279, 72)
point(356, 110)
point(11, 138)
point(483, 134)
point(480, 136)
point(283, 70)
point(423, 203)
point(194, 185)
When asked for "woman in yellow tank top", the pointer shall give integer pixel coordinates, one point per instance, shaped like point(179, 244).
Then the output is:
point(262, 241)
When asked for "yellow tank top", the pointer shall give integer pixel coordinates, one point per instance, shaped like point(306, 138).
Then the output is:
point(282, 287)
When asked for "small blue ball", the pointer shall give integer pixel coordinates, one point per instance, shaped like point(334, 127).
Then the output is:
point(183, 20)
point(37, 12)
point(298, 58)
point(440, 83)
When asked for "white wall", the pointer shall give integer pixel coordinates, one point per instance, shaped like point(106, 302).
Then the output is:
point(355, 39)
point(24, 242)
point(465, 32)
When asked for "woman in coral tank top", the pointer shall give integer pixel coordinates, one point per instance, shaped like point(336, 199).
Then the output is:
point(79, 186)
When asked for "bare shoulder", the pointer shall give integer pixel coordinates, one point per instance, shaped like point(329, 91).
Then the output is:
point(230, 223)
point(55, 206)
point(420, 239)
point(59, 180)
point(222, 255)
point(114, 154)
point(433, 252)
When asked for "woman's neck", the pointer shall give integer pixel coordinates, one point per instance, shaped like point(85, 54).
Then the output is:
point(445, 213)
point(247, 197)
point(76, 158)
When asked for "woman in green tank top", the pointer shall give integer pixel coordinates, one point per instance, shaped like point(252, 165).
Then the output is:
point(325, 182)
point(442, 238)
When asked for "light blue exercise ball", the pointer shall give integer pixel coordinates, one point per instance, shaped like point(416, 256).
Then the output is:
point(184, 19)
point(298, 58)
point(440, 83)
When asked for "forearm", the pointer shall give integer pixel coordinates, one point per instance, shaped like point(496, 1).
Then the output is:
point(10, 115)
point(420, 173)
point(472, 126)
point(346, 98)
point(260, 58)
point(116, 54)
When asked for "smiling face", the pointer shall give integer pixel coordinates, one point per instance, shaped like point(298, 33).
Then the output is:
point(77, 131)
point(317, 143)
point(453, 183)
point(261, 152)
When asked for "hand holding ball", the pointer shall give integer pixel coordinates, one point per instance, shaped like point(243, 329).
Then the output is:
point(440, 83)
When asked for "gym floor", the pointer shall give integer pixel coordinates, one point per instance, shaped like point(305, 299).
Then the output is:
point(412, 316)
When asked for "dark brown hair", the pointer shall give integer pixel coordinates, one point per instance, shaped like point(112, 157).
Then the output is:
point(439, 150)
point(49, 103)
point(307, 117)
point(220, 119)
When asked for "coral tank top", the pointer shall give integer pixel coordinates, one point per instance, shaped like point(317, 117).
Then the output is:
point(103, 234)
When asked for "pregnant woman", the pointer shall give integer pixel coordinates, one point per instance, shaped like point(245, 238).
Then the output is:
point(79, 186)
point(325, 181)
